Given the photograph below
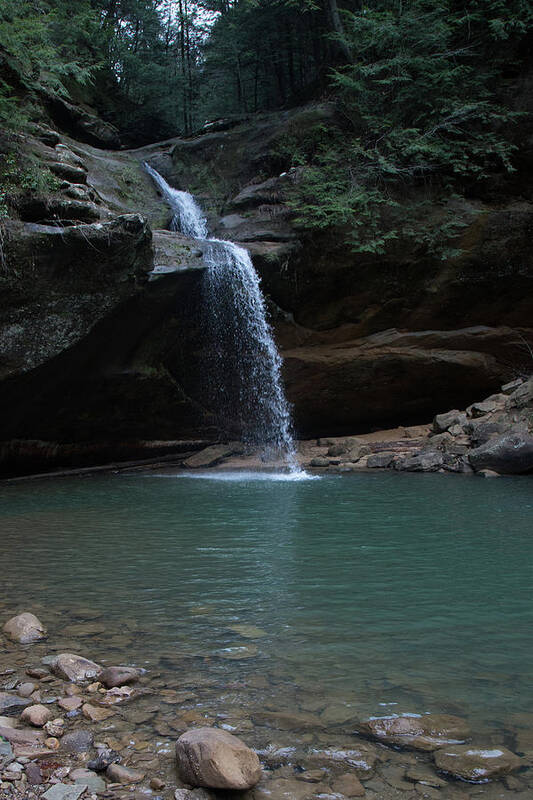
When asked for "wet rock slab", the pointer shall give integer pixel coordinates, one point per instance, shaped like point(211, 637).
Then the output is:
point(12, 703)
point(63, 791)
point(427, 732)
point(475, 764)
point(74, 668)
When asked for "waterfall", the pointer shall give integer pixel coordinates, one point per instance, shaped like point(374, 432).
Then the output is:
point(187, 216)
point(244, 366)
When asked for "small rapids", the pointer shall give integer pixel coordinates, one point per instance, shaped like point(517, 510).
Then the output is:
point(243, 363)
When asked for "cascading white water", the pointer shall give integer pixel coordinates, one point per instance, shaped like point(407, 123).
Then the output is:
point(244, 365)
point(187, 216)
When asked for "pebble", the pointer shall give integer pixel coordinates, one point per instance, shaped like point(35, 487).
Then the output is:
point(77, 741)
point(33, 773)
point(63, 791)
point(52, 743)
point(120, 774)
point(95, 713)
point(26, 689)
point(37, 672)
point(349, 785)
point(70, 703)
point(37, 715)
point(55, 728)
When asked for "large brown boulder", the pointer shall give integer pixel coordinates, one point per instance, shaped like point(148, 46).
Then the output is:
point(24, 628)
point(37, 715)
point(75, 669)
point(118, 676)
point(215, 759)
point(509, 454)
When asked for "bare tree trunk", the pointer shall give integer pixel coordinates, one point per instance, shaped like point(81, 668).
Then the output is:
point(336, 26)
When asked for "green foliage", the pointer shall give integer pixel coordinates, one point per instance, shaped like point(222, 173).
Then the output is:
point(18, 178)
point(44, 43)
point(420, 106)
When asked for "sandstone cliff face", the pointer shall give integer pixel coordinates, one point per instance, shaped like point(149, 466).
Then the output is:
point(368, 340)
point(92, 346)
point(95, 352)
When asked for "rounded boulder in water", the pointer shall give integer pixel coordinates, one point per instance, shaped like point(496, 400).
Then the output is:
point(215, 759)
point(74, 668)
point(112, 677)
point(24, 628)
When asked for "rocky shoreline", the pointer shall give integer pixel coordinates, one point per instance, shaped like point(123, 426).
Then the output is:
point(72, 728)
point(491, 437)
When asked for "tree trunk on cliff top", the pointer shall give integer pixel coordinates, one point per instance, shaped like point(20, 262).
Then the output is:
point(336, 26)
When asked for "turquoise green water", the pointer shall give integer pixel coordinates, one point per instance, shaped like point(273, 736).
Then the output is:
point(400, 592)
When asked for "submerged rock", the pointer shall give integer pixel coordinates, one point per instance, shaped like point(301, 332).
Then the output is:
point(63, 791)
point(476, 764)
point(23, 736)
point(112, 677)
point(248, 631)
point(26, 689)
point(216, 759)
point(361, 758)
point(77, 742)
point(349, 785)
point(74, 668)
point(120, 774)
point(24, 628)
point(427, 732)
point(420, 773)
point(287, 720)
point(12, 703)
point(70, 703)
point(95, 713)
